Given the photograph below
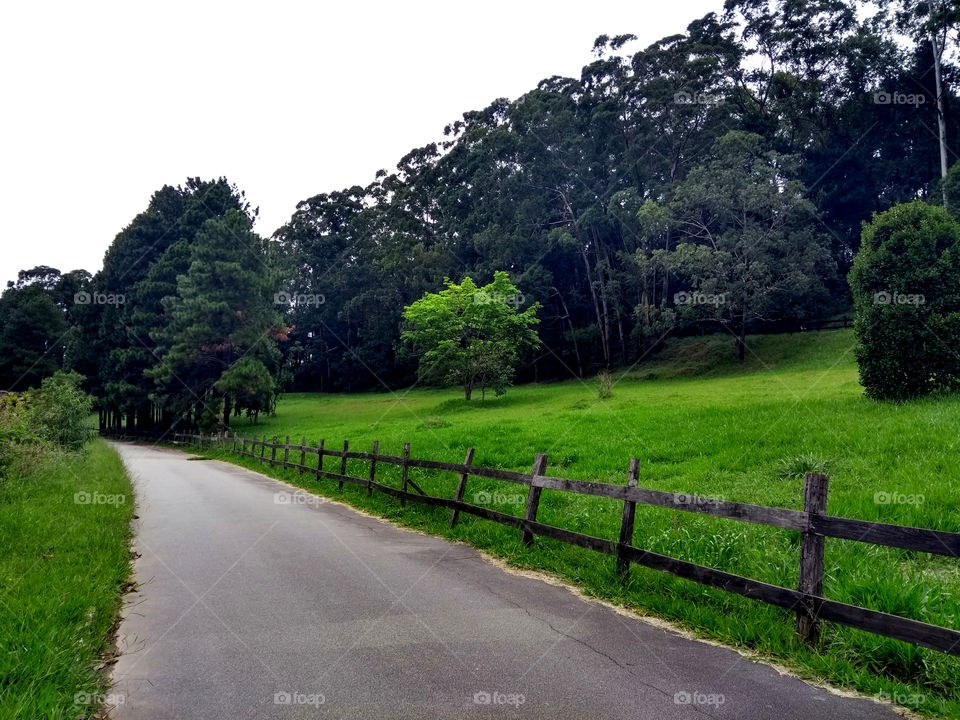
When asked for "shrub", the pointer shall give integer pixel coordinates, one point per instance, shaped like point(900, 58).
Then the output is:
point(906, 289)
point(59, 411)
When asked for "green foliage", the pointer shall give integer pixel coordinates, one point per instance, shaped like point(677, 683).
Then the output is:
point(224, 311)
point(951, 184)
point(749, 246)
point(32, 334)
point(59, 411)
point(64, 564)
point(471, 336)
point(906, 287)
point(251, 385)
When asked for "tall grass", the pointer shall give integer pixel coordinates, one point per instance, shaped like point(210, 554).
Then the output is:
point(63, 563)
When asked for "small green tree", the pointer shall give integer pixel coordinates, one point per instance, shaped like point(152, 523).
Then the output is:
point(906, 289)
point(250, 384)
point(471, 336)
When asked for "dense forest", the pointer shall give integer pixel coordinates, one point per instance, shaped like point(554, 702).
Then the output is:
point(715, 181)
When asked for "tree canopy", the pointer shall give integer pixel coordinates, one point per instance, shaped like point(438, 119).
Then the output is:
point(733, 162)
point(471, 336)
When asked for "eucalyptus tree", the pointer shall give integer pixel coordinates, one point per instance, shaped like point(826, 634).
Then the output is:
point(748, 247)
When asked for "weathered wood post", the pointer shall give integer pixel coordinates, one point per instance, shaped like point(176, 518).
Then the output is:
point(243, 447)
point(533, 498)
point(405, 474)
point(461, 487)
point(273, 451)
point(343, 464)
point(286, 453)
point(811, 557)
point(263, 448)
point(303, 452)
point(320, 459)
point(373, 467)
point(626, 523)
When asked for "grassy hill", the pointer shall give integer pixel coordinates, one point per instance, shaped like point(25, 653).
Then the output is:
point(703, 424)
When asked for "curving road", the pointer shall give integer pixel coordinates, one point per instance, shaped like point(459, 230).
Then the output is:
point(252, 607)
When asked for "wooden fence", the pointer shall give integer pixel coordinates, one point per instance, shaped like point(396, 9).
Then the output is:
point(812, 522)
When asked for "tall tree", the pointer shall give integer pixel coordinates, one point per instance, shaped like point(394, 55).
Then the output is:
point(225, 310)
point(750, 250)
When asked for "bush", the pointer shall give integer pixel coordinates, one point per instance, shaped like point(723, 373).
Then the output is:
point(906, 289)
point(59, 410)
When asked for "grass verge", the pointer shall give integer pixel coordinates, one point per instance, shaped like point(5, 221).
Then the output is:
point(64, 559)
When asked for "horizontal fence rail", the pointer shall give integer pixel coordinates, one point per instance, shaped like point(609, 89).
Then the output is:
point(812, 523)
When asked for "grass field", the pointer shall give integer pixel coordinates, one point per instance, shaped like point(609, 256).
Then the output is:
point(63, 562)
point(701, 424)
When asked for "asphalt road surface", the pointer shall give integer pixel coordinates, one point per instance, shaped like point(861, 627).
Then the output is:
point(257, 602)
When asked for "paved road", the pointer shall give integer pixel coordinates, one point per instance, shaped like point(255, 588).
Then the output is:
point(253, 608)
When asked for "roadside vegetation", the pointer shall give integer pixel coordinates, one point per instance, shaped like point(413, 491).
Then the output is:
point(705, 425)
point(65, 510)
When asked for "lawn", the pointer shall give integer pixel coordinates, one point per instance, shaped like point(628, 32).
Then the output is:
point(64, 557)
point(702, 424)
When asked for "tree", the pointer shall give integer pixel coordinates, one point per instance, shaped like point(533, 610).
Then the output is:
point(906, 288)
point(143, 264)
point(32, 336)
point(932, 21)
point(750, 250)
point(251, 385)
point(225, 310)
point(471, 336)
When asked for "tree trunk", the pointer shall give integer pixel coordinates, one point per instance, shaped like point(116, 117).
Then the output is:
point(226, 412)
point(596, 306)
point(467, 392)
point(666, 274)
point(573, 334)
point(941, 114)
point(740, 339)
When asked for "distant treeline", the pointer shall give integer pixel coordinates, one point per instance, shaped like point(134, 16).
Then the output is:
point(716, 179)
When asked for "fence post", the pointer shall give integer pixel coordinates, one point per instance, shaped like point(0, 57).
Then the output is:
point(405, 474)
point(373, 467)
point(461, 487)
point(811, 557)
point(286, 453)
point(243, 446)
point(303, 452)
point(533, 498)
point(626, 523)
point(320, 459)
point(263, 448)
point(234, 448)
point(273, 451)
point(343, 464)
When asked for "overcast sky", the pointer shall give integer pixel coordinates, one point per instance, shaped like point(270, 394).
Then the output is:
point(105, 103)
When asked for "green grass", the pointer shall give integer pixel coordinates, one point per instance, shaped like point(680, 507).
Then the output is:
point(701, 424)
point(62, 567)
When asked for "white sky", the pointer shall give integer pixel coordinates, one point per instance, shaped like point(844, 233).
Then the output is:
point(103, 103)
